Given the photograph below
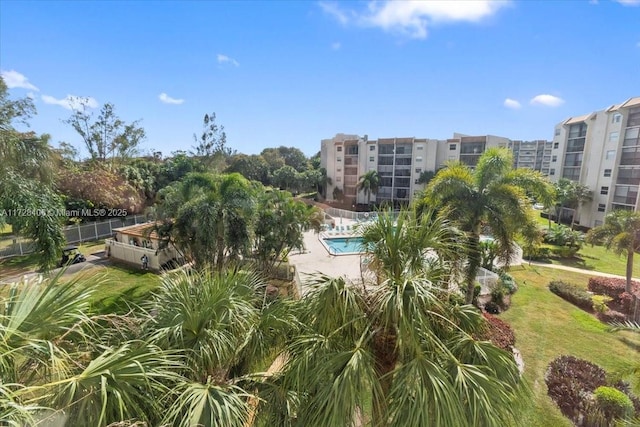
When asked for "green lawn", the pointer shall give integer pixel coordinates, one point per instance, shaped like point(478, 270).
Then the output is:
point(546, 327)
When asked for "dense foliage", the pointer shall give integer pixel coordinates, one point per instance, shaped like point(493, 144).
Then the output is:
point(572, 293)
point(585, 396)
point(498, 332)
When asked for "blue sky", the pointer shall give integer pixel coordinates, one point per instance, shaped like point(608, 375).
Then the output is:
point(292, 73)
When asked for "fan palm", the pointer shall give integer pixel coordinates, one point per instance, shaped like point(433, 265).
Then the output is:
point(494, 195)
point(399, 345)
point(621, 234)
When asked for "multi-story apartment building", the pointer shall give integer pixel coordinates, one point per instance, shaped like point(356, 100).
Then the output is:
point(602, 151)
point(534, 155)
point(398, 161)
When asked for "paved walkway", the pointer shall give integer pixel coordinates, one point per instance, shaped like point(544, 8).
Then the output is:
point(575, 270)
point(91, 262)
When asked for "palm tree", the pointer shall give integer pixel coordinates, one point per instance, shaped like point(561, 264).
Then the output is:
point(209, 217)
point(399, 345)
point(620, 233)
point(368, 184)
point(579, 195)
point(494, 195)
point(563, 194)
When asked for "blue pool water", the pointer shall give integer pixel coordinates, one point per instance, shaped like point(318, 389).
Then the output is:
point(341, 245)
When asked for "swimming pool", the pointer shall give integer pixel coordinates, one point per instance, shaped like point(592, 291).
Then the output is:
point(343, 245)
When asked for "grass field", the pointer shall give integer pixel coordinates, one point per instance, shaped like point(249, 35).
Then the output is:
point(546, 327)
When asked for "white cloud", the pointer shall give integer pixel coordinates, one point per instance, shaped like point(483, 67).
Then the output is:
point(222, 59)
point(169, 100)
point(547, 100)
point(331, 8)
point(336, 45)
point(71, 102)
point(412, 18)
point(512, 104)
point(14, 79)
point(629, 2)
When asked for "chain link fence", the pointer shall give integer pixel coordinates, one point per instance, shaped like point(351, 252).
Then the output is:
point(14, 245)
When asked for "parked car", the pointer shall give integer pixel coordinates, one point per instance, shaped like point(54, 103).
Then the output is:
point(538, 206)
point(71, 255)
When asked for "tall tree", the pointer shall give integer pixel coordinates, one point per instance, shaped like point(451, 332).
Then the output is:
point(211, 144)
point(27, 199)
point(368, 184)
point(621, 234)
point(399, 345)
point(493, 195)
point(580, 194)
point(210, 217)
point(563, 195)
point(107, 137)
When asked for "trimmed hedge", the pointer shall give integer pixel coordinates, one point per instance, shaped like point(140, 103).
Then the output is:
point(572, 293)
point(613, 403)
point(611, 287)
point(568, 379)
point(498, 332)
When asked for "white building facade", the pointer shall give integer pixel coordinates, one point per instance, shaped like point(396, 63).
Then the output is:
point(602, 151)
point(398, 161)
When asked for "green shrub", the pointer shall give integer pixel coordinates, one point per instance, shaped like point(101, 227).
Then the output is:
point(613, 403)
point(600, 303)
point(572, 293)
point(507, 281)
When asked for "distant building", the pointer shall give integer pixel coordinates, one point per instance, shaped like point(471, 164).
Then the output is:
point(534, 155)
point(130, 243)
point(398, 161)
point(602, 151)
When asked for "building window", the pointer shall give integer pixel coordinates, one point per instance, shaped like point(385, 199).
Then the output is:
point(554, 159)
point(339, 159)
point(419, 159)
point(552, 172)
point(338, 170)
point(416, 181)
point(372, 159)
point(613, 136)
point(339, 149)
point(601, 207)
point(616, 118)
point(418, 170)
point(556, 144)
point(452, 147)
point(557, 131)
point(339, 179)
point(607, 173)
point(604, 190)
point(372, 148)
point(419, 147)
point(610, 154)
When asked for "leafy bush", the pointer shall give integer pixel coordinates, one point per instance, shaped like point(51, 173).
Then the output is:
point(572, 293)
point(626, 301)
point(565, 251)
point(568, 380)
point(507, 281)
point(613, 403)
point(600, 303)
point(612, 316)
point(611, 287)
point(498, 332)
point(561, 235)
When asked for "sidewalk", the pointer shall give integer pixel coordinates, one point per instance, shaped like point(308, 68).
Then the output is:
point(91, 262)
point(575, 270)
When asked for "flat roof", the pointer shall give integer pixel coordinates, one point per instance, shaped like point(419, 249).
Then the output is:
point(138, 230)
